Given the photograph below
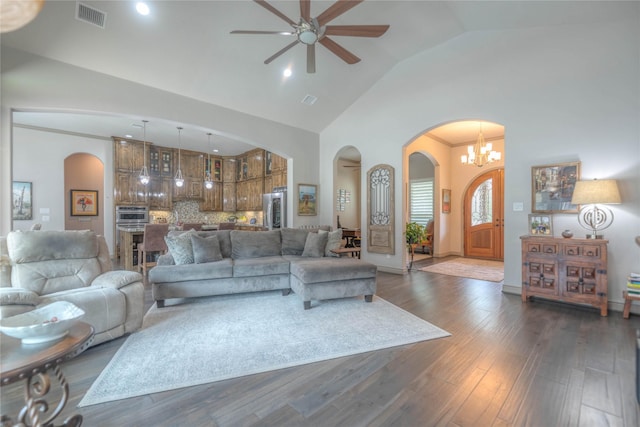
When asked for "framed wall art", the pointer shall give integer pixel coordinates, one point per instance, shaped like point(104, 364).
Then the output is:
point(84, 203)
point(446, 201)
point(307, 199)
point(22, 202)
point(552, 187)
point(540, 225)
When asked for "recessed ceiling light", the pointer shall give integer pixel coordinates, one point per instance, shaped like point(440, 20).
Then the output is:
point(142, 8)
point(287, 72)
point(128, 136)
point(215, 150)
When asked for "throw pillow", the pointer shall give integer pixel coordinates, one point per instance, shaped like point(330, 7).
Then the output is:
point(205, 249)
point(180, 247)
point(315, 245)
point(293, 241)
point(334, 241)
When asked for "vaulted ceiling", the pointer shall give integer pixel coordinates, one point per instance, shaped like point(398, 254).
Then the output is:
point(185, 47)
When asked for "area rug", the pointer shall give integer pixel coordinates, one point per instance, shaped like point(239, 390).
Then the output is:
point(491, 271)
point(210, 339)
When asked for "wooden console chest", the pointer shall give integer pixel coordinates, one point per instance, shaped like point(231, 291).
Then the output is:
point(568, 270)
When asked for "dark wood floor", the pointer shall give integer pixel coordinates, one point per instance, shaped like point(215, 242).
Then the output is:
point(506, 364)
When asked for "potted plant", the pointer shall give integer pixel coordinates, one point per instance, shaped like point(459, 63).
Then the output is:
point(415, 233)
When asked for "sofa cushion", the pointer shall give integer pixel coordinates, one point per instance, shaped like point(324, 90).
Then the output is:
point(180, 247)
point(255, 244)
point(205, 249)
point(293, 241)
point(334, 241)
point(33, 246)
point(105, 308)
point(315, 245)
point(189, 272)
point(318, 270)
point(250, 267)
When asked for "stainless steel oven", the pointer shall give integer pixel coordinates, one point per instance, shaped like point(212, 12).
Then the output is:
point(132, 215)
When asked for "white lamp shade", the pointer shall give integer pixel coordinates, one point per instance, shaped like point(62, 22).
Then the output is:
point(596, 191)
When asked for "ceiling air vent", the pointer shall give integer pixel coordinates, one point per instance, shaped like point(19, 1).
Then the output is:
point(309, 99)
point(91, 15)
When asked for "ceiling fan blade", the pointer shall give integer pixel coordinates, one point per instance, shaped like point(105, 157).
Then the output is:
point(311, 58)
point(282, 33)
point(336, 9)
point(275, 11)
point(356, 30)
point(305, 10)
point(281, 51)
point(338, 50)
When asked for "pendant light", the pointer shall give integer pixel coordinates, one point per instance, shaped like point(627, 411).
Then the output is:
point(208, 182)
point(178, 179)
point(144, 173)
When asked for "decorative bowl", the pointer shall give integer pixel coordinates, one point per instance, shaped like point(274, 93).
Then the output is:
point(43, 324)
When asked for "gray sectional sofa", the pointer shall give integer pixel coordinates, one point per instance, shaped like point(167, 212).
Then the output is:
point(207, 263)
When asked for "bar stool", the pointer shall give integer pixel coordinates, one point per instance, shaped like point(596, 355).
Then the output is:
point(227, 226)
point(152, 242)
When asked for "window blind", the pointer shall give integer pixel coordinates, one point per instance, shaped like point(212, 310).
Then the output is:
point(421, 200)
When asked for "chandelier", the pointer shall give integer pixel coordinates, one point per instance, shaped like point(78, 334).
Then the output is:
point(481, 153)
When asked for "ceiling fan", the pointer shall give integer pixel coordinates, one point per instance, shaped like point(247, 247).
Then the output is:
point(310, 31)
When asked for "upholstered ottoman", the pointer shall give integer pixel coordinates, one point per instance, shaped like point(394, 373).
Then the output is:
point(329, 278)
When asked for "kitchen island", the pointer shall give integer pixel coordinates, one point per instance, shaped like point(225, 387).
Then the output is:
point(129, 239)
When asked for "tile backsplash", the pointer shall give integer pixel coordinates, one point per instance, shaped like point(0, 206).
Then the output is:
point(189, 211)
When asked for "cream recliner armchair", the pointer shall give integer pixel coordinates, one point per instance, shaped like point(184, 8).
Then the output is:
point(41, 267)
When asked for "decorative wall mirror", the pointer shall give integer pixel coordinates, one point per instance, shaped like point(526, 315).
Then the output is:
point(380, 210)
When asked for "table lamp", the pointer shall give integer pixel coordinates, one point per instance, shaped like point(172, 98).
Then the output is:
point(592, 195)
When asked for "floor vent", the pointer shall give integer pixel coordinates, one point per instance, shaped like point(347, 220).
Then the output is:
point(91, 15)
point(309, 99)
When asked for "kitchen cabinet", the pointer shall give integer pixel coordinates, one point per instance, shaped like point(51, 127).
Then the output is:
point(275, 171)
point(274, 163)
point(128, 155)
point(191, 163)
point(229, 184)
point(568, 270)
point(127, 189)
point(249, 195)
point(160, 193)
point(255, 164)
point(229, 197)
point(161, 162)
point(229, 170)
point(212, 198)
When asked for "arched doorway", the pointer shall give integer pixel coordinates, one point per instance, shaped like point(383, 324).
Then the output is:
point(484, 216)
point(445, 145)
point(347, 188)
point(84, 173)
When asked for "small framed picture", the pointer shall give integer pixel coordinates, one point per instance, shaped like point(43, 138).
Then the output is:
point(446, 201)
point(307, 199)
point(540, 225)
point(22, 201)
point(84, 203)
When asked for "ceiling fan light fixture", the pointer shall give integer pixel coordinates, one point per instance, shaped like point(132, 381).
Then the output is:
point(308, 37)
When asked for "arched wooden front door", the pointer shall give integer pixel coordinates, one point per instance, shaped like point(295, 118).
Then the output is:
point(484, 216)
